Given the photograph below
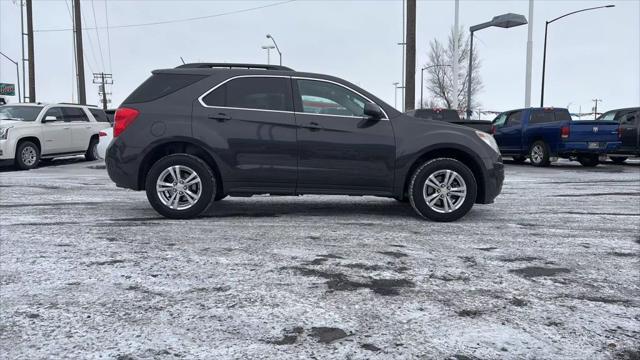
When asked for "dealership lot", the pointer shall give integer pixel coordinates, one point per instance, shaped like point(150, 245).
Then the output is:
point(550, 270)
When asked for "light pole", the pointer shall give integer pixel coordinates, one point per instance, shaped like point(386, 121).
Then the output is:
point(17, 73)
point(503, 21)
point(268, 48)
point(395, 93)
point(544, 54)
point(276, 45)
point(422, 80)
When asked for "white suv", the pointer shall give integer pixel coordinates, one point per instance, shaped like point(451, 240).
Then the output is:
point(31, 132)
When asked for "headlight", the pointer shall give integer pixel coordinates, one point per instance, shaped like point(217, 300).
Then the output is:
point(489, 140)
point(4, 132)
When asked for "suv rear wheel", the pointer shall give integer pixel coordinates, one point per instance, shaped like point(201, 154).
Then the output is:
point(180, 186)
point(92, 152)
point(27, 155)
point(442, 190)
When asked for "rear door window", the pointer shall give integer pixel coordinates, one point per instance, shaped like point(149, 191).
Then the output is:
point(542, 117)
point(74, 114)
point(563, 115)
point(161, 85)
point(259, 93)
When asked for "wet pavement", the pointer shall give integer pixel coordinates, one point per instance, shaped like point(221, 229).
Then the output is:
point(551, 270)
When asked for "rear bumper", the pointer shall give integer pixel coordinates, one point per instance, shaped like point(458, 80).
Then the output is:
point(582, 147)
point(122, 165)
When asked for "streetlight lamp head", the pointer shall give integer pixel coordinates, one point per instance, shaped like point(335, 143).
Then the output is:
point(609, 6)
point(508, 20)
point(268, 36)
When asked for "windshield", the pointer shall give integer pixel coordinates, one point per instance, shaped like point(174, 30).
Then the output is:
point(21, 113)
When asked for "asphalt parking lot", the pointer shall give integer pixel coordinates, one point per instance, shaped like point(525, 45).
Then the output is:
point(551, 270)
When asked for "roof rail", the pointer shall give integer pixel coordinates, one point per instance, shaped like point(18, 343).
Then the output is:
point(233, 66)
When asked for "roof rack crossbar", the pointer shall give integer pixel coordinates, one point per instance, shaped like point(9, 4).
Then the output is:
point(233, 66)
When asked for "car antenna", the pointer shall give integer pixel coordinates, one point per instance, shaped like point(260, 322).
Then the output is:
point(182, 60)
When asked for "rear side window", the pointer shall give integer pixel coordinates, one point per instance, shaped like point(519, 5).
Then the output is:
point(541, 117)
point(260, 93)
point(99, 115)
point(160, 85)
point(563, 115)
point(74, 114)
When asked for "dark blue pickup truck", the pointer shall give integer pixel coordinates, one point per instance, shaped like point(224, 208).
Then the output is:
point(544, 134)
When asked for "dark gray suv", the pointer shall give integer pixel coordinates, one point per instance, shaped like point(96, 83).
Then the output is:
point(195, 134)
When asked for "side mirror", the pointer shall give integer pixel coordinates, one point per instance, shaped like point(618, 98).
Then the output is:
point(49, 118)
point(373, 111)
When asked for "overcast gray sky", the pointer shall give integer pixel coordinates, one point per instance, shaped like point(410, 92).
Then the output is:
point(590, 55)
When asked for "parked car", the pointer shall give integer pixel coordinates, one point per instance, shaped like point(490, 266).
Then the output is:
point(450, 116)
point(629, 128)
point(199, 132)
point(111, 113)
point(106, 135)
point(33, 132)
point(544, 134)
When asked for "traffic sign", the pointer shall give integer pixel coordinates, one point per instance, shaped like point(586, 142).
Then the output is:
point(7, 89)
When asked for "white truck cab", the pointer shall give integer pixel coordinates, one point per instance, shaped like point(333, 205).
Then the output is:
point(33, 132)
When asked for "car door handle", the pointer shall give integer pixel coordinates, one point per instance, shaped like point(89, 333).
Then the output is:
point(220, 117)
point(313, 126)
point(66, 128)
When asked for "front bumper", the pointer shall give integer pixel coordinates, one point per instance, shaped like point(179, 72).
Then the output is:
point(7, 150)
point(493, 181)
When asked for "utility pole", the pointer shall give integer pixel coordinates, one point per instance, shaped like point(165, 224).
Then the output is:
point(22, 35)
point(102, 80)
point(527, 86)
point(32, 65)
point(403, 44)
point(595, 108)
point(77, 22)
point(456, 54)
point(410, 78)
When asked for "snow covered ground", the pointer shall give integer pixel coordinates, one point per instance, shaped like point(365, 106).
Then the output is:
point(551, 270)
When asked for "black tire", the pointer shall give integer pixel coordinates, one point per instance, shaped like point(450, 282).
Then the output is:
point(27, 156)
point(92, 152)
point(432, 167)
point(207, 186)
point(539, 154)
point(589, 160)
point(618, 159)
point(519, 159)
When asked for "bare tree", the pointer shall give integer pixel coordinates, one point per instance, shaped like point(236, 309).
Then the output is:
point(440, 78)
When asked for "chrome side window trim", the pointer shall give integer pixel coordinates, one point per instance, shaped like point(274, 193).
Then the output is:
point(201, 98)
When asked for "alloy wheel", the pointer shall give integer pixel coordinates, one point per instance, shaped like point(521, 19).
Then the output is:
point(29, 155)
point(179, 187)
point(444, 191)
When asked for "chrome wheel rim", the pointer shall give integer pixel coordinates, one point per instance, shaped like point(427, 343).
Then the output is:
point(537, 153)
point(444, 191)
point(179, 187)
point(28, 156)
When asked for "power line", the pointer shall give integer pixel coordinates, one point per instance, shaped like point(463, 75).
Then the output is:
point(106, 16)
point(93, 48)
point(173, 21)
point(95, 21)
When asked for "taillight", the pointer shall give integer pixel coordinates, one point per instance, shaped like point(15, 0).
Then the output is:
point(564, 132)
point(620, 132)
point(493, 130)
point(124, 117)
point(102, 133)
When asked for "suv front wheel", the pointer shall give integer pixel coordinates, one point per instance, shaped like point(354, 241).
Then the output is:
point(27, 155)
point(442, 190)
point(180, 186)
